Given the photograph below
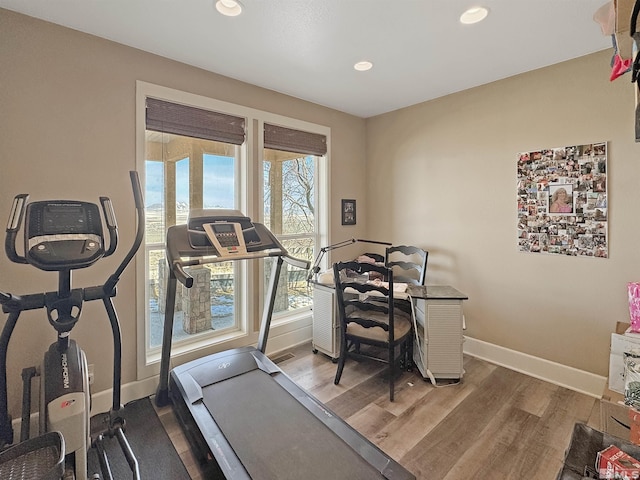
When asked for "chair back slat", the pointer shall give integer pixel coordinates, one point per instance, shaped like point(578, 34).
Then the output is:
point(358, 304)
point(354, 292)
point(407, 258)
point(365, 287)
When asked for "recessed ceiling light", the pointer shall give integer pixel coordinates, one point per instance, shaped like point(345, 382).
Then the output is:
point(474, 15)
point(230, 8)
point(363, 66)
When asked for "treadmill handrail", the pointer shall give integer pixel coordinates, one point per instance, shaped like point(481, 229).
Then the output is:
point(187, 280)
point(296, 262)
point(181, 254)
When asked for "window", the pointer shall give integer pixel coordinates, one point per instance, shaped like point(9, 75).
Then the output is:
point(201, 153)
point(190, 159)
point(172, 185)
point(291, 159)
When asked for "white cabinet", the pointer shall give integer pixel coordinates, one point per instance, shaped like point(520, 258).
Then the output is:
point(326, 329)
point(437, 345)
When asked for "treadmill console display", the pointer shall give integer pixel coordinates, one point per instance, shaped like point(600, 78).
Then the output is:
point(228, 231)
point(226, 237)
point(63, 233)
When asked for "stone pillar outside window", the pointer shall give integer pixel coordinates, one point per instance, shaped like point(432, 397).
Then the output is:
point(196, 301)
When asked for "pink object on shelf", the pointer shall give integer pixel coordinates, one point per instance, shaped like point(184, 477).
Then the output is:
point(634, 305)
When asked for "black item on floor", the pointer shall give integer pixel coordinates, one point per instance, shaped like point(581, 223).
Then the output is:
point(157, 457)
point(586, 442)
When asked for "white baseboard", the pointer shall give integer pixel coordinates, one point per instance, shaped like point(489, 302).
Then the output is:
point(289, 338)
point(556, 373)
point(101, 401)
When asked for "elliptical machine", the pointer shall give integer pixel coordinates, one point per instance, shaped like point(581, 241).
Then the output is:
point(61, 236)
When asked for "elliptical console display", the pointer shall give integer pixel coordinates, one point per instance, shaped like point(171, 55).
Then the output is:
point(63, 234)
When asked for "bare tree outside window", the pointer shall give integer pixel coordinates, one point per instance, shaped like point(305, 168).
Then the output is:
point(290, 214)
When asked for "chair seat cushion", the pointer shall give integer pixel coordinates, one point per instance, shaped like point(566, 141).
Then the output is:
point(401, 322)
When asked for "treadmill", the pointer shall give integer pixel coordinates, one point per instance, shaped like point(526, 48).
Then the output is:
point(243, 415)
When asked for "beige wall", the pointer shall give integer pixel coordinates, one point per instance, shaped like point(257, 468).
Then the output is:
point(442, 175)
point(67, 129)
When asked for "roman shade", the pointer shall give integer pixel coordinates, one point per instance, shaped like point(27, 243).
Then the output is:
point(167, 117)
point(290, 140)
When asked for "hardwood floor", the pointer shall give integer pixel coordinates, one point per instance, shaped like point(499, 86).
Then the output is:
point(494, 424)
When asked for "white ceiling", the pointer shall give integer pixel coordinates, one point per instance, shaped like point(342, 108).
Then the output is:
point(307, 48)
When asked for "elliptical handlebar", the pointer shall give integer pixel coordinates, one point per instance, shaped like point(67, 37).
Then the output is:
point(139, 202)
point(112, 226)
point(6, 298)
point(13, 226)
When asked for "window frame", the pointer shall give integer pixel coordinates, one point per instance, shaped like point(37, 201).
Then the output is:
point(289, 328)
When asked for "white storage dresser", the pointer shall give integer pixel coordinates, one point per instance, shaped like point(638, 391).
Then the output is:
point(326, 327)
point(437, 346)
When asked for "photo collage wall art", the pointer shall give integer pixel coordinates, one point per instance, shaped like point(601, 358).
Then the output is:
point(562, 201)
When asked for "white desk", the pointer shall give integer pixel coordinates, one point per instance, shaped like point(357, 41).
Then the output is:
point(437, 348)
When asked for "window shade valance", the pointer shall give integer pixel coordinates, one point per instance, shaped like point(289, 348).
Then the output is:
point(290, 140)
point(163, 116)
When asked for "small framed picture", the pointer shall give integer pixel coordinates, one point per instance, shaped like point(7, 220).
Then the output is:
point(348, 212)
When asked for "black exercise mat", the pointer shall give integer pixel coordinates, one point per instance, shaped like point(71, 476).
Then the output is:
point(157, 458)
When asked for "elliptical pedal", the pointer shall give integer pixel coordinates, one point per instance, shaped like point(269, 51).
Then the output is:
point(39, 458)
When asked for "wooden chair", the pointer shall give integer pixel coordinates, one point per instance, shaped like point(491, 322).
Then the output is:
point(371, 322)
point(409, 263)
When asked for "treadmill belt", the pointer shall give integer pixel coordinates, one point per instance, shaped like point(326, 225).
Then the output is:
point(275, 437)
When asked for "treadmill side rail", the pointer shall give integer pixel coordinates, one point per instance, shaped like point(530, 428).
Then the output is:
point(192, 391)
point(208, 442)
